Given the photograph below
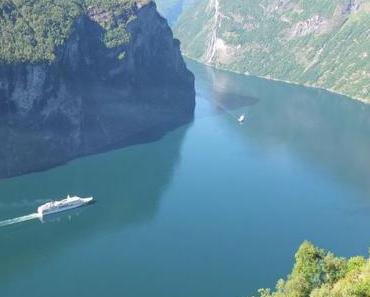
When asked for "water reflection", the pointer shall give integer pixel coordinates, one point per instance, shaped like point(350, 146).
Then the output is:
point(215, 94)
point(238, 191)
point(64, 216)
point(325, 129)
point(127, 184)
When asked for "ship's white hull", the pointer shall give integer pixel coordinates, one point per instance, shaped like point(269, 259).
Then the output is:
point(84, 202)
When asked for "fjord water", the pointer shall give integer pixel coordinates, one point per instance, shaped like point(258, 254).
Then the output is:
point(214, 208)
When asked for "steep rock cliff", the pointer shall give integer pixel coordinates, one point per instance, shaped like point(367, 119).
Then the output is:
point(92, 97)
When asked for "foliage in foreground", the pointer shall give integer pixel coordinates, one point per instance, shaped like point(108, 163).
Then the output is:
point(319, 273)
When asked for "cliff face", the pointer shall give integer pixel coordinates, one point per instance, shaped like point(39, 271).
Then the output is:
point(93, 97)
point(320, 43)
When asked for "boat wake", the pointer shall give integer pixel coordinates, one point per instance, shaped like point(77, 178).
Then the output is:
point(51, 208)
point(18, 220)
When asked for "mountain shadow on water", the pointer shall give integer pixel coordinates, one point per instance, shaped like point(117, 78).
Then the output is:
point(109, 122)
point(112, 178)
point(320, 127)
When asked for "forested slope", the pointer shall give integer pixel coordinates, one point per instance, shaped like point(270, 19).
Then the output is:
point(321, 43)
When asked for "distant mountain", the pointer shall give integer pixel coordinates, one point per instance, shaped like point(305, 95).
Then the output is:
point(172, 9)
point(321, 43)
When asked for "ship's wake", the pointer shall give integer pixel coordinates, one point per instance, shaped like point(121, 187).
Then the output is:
point(18, 220)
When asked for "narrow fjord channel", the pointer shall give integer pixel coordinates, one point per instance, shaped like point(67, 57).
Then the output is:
point(214, 208)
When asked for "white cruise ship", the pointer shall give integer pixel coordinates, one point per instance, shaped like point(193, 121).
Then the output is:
point(63, 205)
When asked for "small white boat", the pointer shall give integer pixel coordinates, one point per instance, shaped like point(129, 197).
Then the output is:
point(241, 119)
point(63, 205)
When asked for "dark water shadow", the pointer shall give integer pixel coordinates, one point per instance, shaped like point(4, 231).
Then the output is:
point(111, 178)
point(110, 118)
point(324, 129)
point(217, 93)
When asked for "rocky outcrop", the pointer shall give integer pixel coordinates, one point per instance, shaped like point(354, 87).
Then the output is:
point(350, 7)
point(312, 25)
point(92, 98)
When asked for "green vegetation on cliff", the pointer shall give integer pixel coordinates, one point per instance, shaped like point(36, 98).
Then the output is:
point(31, 30)
point(321, 43)
point(318, 273)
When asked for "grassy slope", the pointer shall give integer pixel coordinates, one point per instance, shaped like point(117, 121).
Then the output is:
point(257, 36)
point(30, 30)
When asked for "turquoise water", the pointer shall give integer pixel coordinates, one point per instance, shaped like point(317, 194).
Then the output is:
point(214, 208)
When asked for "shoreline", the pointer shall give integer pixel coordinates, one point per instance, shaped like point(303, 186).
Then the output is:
point(359, 99)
